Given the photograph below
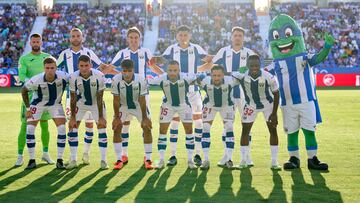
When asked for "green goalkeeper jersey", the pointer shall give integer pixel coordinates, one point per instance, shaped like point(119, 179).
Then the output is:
point(31, 65)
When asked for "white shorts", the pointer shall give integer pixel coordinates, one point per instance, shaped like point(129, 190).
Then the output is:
point(239, 104)
point(55, 111)
point(87, 116)
point(299, 116)
point(167, 113)
point(126, 114)
point(195, 102)
point(227, 113)
point(89, 113)
point(249, 113)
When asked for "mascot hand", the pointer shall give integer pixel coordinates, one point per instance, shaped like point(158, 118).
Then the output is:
point(329, 40)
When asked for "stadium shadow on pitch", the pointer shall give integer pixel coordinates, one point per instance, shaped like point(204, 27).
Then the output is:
point(23, 172)
point(225, 191)
point(246, 192)
point(126, 187)
point(97, 189)
point(278, 193)
point(319, 192)
point(151, 192)
point(42, 188)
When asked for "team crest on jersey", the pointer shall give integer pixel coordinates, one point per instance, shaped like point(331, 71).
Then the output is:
point(209, 89)
point(58, 85)
point(228, 56)
point(261, 84)
point(93, 84)
point(243, 57)
point(303, 64)
point(136, 87)
point(225, 89)
point(191, 52)
point(141, 56)
point(181, 84)
point(166, 85)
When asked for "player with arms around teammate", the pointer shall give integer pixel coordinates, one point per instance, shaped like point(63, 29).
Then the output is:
point(129, 90)
point(175, 86)
point(233, 58)
point(30, 65)
point(218, 89)
point(68, 62)
point(141, 58)
point(261, 90)
point(48, 88)
point(189, 56)
point(87, 87)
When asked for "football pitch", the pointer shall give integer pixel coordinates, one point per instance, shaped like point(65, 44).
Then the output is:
point(338, 139)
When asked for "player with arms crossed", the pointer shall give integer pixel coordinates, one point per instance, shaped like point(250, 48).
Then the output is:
point(129, 92)
point(48, 88)
point(175, 86)
point(87, 87)
point(261, 90)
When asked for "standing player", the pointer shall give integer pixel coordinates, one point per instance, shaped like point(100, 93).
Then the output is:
point(189, 56)
point(87, 87)
point(30, 65)
point(261, 90)
point(218, 90)
point(233, 57)
point(175, 86)
point(141, 58)
point(129, 92)
point(68, 62)
point(48, 89)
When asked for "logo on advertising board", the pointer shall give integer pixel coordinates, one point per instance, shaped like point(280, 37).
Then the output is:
point(5, 80)
point(329, 79)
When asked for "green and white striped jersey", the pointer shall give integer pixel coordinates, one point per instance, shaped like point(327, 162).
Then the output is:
point(129, 92)
point(175, 93)
point(218, 96)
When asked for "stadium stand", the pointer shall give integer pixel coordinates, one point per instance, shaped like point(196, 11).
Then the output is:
point(104, 29)
point(211, 26)
point(16, 21)
point(342, 20)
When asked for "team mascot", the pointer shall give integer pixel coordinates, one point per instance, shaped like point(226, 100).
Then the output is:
point(292, 66)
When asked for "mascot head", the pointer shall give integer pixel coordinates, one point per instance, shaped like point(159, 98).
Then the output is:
point(285, 37)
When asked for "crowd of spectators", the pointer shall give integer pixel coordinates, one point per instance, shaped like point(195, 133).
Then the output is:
point(16, 21)
point(104, 28)
point(342, 20)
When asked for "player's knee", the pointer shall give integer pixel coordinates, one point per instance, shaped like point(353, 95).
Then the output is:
point(89, 124)
point(126, 123)
point(176, 119)
point(188, 128)
point(197, 117)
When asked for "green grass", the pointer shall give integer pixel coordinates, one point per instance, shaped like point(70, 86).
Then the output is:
point(338, 138)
